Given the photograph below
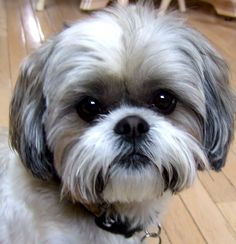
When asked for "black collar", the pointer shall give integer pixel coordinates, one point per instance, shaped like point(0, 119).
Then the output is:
point(116, 225)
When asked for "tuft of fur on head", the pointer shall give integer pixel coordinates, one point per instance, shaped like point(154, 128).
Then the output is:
point(122, 57)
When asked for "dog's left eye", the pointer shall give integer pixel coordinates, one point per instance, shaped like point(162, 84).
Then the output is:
point(164, 101)
point(88, 109)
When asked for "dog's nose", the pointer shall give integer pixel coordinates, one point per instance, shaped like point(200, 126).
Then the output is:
point(131, 126)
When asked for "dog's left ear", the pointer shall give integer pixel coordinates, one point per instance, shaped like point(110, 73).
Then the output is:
point(218, 128)
point(27, 109)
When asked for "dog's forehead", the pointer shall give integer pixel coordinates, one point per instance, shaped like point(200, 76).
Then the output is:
point(127, 54)
point(124, 40)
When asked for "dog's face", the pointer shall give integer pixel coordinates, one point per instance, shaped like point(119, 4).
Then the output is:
point(123, 107)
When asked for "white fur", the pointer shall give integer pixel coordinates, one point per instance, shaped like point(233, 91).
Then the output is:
point(32, 212)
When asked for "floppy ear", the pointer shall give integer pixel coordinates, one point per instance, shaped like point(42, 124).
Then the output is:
point(26, 115)
point(218, 127)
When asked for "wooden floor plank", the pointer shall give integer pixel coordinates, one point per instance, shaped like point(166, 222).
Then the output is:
point(228, 209)
point(210, 221)
point(42, 22)
point(233, 146)
point(230, 169)
point(69, 11)
point(16, 38)
point(75, 4)
point(54, 15)
point(4, 60)
point(30, 25)
point(176, 219)
point(164, 238)
point(5, 80)
point(218, 186)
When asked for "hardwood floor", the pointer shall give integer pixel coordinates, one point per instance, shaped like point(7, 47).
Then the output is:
point(206, 213)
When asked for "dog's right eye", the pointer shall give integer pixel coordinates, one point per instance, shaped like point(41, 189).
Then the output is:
point(164, 102)
point(88, 108)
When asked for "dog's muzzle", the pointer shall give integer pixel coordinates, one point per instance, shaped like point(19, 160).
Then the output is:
point(132, 129)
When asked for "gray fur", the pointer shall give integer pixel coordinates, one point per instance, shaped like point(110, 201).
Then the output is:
point(26, 116)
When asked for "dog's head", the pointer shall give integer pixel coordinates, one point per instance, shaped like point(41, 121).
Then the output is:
point(123, 107)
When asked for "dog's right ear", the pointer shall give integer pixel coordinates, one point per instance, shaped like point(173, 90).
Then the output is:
point(27, 109)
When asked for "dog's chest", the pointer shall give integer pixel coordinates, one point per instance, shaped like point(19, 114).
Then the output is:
point(32, 213)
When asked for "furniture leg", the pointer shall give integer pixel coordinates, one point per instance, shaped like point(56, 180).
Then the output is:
point(40, 5)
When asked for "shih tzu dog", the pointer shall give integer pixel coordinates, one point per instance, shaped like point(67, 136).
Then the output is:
point(108, 120)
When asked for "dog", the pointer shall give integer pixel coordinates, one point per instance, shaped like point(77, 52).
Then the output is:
point(108, 120)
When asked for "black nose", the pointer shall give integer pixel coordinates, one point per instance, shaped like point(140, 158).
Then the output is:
point(132, 127)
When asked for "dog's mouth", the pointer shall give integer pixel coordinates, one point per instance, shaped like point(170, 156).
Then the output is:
point(133, 161)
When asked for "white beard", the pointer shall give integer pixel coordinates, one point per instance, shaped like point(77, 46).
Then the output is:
point(32, 211)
